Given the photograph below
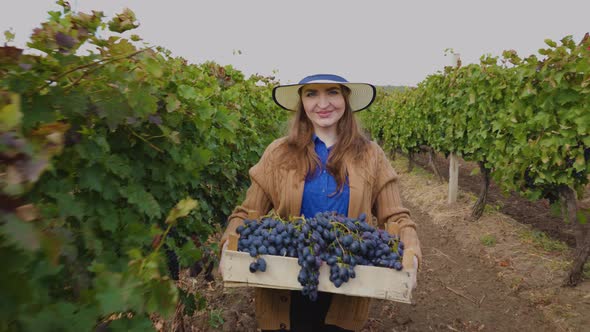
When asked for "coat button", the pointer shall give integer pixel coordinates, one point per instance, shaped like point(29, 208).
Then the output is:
point(283, 298)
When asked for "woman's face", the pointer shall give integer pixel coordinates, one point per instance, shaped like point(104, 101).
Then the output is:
point(323, 103)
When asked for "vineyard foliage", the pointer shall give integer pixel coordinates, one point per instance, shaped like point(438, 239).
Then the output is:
point(527, 120)
point(101, 136)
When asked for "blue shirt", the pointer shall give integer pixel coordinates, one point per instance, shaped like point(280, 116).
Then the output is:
point(320, 192)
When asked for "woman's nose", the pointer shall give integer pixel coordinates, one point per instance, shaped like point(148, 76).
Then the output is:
point(323, 101)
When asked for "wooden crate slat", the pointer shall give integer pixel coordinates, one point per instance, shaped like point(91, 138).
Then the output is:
point(281, 273)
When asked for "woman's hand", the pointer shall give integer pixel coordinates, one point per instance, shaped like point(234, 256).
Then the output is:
point(220, 267)
point(410, 262)
point(415, 274)
point(410, 239)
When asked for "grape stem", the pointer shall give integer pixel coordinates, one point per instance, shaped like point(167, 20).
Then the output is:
point(92, 64)
point(145, 140)
point(163, 237)
point(349, 232)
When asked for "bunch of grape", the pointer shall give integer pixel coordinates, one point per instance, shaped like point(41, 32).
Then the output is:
point(337, 240)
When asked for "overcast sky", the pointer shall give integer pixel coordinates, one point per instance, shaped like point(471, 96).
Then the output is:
point(385, 42)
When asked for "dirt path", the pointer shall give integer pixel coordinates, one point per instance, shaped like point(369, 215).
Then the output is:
point(456, 292)
point(510, 284)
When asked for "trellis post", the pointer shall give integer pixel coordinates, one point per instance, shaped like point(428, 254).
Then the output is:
point(453, 161)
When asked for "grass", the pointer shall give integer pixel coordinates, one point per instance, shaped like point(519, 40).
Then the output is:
point(400, 164)
point(516, 283)
point(488, 240)
point(417, 170)
point(216, 318)
point(489, 208)
point(586, 271)
point(543, 241)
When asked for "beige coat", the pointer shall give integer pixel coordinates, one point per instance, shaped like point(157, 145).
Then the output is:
point(373, 190)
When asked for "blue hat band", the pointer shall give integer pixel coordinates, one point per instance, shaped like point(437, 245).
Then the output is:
point(323, 78)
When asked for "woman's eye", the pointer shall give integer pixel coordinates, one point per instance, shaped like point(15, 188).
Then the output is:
point(310, 94)
point(334, 92)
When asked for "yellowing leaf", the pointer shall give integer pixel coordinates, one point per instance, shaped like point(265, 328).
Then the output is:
point(123, 21)
point(182, 209)
point(172, 103)
point(580, 162)
point(175, 137)
point(10, 114)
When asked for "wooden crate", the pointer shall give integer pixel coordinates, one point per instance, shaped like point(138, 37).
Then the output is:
point(281, 273)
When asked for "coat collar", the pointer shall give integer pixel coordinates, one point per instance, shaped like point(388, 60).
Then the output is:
point(356, 193)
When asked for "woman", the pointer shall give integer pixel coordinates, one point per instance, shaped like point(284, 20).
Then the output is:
point(324, 164)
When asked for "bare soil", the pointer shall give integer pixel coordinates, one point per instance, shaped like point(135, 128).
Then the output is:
point(535, 213)
point(490, 275)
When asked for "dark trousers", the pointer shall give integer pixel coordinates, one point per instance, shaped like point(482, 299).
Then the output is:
point(309, 316)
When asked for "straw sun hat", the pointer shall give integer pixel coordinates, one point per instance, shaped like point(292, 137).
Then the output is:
point(361, 94)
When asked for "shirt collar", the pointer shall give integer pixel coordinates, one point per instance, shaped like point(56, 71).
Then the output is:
point(319, 143)
point(316, 140)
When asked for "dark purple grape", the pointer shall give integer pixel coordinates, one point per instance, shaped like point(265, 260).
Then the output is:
point(254, 267)
point(65, 41)
point(253, 252)
point(173, 264)
point(261, 264)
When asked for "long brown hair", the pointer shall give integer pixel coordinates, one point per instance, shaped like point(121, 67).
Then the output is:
point(351, 144)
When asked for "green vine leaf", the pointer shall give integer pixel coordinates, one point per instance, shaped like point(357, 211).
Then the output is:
point(143, 200)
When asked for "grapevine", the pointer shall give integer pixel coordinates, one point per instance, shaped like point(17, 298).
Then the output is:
point(523, 120)
point(99, 145)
